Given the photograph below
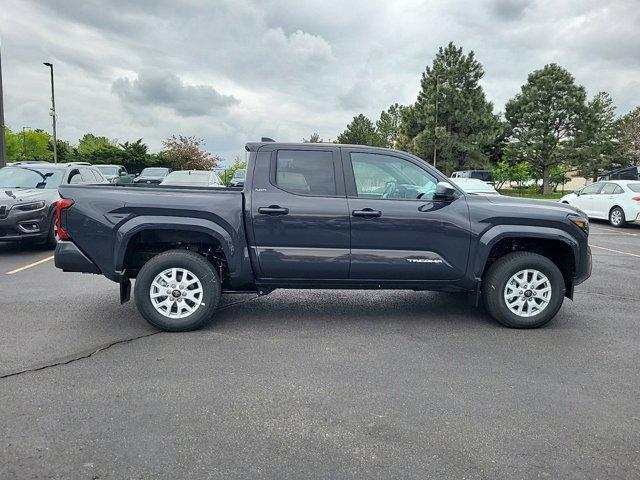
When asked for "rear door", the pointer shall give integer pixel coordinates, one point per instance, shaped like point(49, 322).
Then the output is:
point(606, 199)
point(299, 214)
point(394, 234)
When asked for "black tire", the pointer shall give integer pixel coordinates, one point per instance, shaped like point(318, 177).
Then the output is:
point(200, 267)
point(51, 240)
point(495, 281)
point(617, 219)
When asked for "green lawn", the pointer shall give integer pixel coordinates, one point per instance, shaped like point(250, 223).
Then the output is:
point(535, 195)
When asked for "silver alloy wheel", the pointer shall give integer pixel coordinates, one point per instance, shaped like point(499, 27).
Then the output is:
point(616, 216)
point(527, 293)
point(176, 293)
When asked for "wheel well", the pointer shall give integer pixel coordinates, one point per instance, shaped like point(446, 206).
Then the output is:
point(555, 250)
point(146, 244)
point(616, 206)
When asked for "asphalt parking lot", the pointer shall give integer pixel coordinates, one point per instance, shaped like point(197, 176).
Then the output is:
point(319, 384)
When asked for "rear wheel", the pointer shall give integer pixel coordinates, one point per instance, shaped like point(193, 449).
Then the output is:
point(617, 218)
point(523, 290)
point(177, 291)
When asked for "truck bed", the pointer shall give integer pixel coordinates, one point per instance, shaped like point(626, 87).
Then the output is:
point(104, 219)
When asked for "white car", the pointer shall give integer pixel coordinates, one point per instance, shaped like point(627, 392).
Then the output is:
point(192, 178)
point(475, 186)
point(615, 200)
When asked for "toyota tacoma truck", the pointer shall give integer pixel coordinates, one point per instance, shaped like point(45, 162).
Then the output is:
point(323, 216)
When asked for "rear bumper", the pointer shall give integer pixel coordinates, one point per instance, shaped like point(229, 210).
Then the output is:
point(69, 258)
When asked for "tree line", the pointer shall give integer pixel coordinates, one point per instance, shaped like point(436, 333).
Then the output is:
point(178, 152)
point(548, 128)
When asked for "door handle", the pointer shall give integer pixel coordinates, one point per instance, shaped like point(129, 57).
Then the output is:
point(273, 210)
point(367, 213)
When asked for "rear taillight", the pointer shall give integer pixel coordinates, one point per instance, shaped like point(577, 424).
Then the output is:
point(636, 198)
point(62, 204)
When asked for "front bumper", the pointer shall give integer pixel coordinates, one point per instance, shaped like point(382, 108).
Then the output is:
point(583, 270)
point(69, 258)
point(17, 226)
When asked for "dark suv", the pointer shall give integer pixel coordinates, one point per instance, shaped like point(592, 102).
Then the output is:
point(28, 195)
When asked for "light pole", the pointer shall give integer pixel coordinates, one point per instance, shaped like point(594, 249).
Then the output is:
point(24, 142)
point(53, 114)
point(435, 125)
point(3, 148)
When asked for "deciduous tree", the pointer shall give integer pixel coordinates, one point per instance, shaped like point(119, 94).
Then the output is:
point(187, 153)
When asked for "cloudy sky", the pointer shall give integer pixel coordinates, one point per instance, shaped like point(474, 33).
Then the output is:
point(233, 71)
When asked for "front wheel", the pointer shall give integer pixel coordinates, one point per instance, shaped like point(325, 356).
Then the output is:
point(617, 218)
point(523, 290)
point(177, 291)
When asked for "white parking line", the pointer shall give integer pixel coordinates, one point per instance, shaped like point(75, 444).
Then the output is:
point(612, 231)
point(615, 251)
point(39, 262)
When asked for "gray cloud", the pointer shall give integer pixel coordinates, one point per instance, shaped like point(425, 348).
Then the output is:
point(510, 9)
point(166, 89)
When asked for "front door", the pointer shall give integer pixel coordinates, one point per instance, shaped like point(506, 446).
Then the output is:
point(398, 232)
point(299, 214)
point(586, 201)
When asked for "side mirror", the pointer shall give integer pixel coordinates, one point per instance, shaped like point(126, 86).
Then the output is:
point(123, 174)
point(444, 192)
point(577, 192)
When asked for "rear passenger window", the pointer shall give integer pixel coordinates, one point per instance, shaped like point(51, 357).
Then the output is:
point(306, 172)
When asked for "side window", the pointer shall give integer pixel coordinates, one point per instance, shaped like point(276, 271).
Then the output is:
point(609, 189)
point(306, 172)
point(618, 190)
point(87, 175)
point(98, 176)
point(75, 177)
point(591, 189)
point(391, 178)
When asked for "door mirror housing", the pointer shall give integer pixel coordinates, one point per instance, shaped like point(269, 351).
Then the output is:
point(444, 192)
point(577, 192)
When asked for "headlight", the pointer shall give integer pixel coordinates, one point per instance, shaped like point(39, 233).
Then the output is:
point(28, 207)
point(580, 221)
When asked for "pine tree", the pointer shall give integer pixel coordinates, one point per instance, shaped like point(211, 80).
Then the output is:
point(451, 114)
point(361, 131)
point(597, 147)
point(544, 118)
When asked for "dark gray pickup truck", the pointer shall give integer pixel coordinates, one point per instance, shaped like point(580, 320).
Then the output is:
point(323, 216)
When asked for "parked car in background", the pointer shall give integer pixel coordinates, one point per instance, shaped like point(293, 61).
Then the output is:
point(616, 200)
point(628, 173)
point(28, 195)
point(238, 178)
point(474, 186)
point(115, 173)
point(319, 215)
point(484, 175)
point(192, 178)
point(152, 175)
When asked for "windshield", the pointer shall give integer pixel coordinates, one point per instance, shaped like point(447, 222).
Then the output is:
point(634, 187)
point(192, 178)
point(23, 177)
point(108, 170)
point(154, 172)
point(240, 173)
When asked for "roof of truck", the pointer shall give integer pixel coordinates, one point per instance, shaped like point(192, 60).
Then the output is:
point(253, 146)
